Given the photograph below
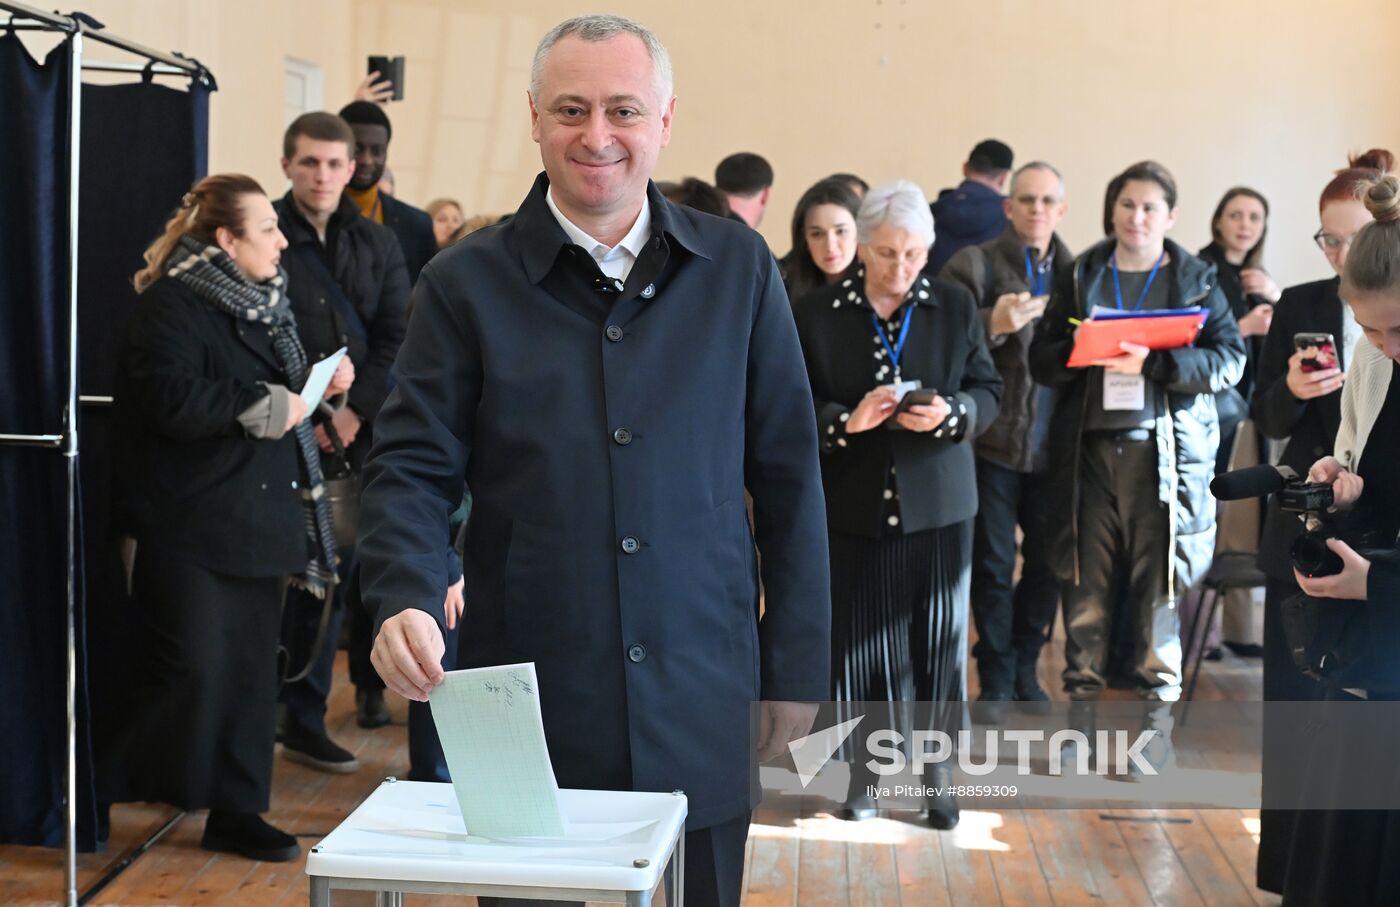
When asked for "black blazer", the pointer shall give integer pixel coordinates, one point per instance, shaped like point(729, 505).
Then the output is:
point(189, 480)
point(1310, 425)
point(947, 351)
point(414, 230)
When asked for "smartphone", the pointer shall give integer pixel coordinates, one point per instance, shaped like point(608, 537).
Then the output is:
point(914, 398)
point(1325, 355)
point(920, 397)
point(390, 69)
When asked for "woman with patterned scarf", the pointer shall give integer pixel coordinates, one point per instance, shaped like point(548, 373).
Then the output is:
point(221, 488)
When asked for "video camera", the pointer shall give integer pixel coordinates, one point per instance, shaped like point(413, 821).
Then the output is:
point(1310, 500)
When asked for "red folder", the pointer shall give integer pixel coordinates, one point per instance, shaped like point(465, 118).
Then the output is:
point(1099, 338)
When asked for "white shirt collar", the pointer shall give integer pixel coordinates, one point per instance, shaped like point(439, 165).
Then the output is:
point(625, 252)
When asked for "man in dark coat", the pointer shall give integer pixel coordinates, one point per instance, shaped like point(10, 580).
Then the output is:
point(1011, 277)
point(411, 226)
point(609, 372)
point(348, 287)
point(972, 213)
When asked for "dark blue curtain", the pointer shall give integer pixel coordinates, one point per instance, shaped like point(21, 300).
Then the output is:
point(34, 108)
point(142, 146)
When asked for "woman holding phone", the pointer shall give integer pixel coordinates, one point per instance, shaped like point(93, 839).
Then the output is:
point(1298, 401)
point(900, 487)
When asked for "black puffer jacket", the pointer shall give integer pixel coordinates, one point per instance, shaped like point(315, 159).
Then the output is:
point(1185, 381)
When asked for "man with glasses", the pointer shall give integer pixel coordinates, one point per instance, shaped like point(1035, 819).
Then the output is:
point(1011, 278)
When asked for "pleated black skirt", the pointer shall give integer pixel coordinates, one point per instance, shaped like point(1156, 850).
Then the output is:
point(195, 722)
point(899, 615)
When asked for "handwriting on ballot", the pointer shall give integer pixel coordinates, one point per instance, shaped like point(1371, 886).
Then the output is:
point(492, 734)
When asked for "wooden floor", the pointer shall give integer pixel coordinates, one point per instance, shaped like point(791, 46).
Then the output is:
point(1030, 857)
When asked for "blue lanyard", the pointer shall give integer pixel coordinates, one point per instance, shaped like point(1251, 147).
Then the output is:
point(898, 350)
point(1118, 289)
point(1035, 278)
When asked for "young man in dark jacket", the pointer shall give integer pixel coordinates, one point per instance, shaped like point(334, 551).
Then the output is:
point(349, 287)
point(973, 212)
point(1011, 278)
point(412, 227)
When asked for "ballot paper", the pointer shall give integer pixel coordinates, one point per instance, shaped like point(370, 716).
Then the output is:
point(492, 734)
point(319, 378)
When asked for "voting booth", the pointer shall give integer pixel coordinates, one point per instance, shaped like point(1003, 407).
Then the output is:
point(409, 837)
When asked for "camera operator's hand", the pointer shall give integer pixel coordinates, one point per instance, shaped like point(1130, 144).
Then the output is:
point(1350, 584)
point(1346, 486)
point(1310, 385)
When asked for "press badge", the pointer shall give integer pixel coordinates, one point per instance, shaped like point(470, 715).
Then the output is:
point(1124, 392)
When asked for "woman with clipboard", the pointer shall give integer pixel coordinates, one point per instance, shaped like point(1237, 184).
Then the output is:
point(1133, 442)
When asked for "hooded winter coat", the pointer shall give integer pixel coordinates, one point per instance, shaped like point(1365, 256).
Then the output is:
point(1185, 380)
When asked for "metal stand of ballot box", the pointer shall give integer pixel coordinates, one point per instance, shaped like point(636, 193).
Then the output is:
point(407, 837)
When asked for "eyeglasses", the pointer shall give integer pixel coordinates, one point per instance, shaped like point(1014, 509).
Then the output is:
point(1329, 243)
point(894, 258)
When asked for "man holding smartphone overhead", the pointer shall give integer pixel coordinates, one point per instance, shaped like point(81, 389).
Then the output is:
point(1011, 277)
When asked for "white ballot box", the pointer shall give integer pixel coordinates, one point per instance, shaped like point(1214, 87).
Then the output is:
point(408, 836)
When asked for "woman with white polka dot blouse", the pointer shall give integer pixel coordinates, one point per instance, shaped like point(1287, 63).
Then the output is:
point(900, 486)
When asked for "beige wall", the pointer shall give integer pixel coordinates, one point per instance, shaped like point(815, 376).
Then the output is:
point(1262, 92)
point(1271, 93)
point(243, 43)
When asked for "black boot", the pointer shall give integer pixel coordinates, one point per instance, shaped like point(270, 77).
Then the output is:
point(859, 805)
point(941, 809)
point(991, 707)
point(1030, 698)
point(370, 711)
point(1082, 717)
point(248, 835)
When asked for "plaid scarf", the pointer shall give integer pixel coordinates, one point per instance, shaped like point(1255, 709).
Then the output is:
point(215, 278)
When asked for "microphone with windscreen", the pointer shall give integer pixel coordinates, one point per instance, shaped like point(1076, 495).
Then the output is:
point(1251, 482)
point(1310, 500)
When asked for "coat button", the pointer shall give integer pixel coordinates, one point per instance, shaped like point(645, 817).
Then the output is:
point(630, 545)
point(263, 486)
point(614, 333)
point(637, 653)
point(649, 291)
point(622, 436)
point(294, 485)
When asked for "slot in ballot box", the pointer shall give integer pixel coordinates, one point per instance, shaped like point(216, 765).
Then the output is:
point(408, 837)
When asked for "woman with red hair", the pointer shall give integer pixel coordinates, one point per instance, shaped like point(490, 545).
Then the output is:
point(1296, 404)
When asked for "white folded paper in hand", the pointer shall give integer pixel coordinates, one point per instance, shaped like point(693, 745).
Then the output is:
point(492, 734)
point(318, 378)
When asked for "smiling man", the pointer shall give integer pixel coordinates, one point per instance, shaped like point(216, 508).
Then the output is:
point(608, 373)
